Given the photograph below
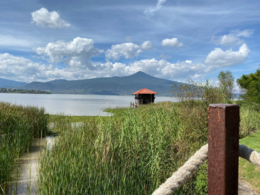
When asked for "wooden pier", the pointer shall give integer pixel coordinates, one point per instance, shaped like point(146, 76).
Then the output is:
point(133, 105)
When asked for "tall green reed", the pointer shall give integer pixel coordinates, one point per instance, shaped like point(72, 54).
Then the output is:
point(249, 120)
point(130, 154)
point(18, 125)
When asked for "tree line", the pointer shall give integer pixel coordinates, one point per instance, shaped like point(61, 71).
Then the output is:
point(6, 90)
point(224, 92)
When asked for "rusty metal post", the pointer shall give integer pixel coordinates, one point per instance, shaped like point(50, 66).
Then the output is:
point(223, 124)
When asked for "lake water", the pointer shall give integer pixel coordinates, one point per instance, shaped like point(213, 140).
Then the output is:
point(72, 104)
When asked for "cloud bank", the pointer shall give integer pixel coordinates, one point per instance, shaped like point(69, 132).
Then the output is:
point(73, 60)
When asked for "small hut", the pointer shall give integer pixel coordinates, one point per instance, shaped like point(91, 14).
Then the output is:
point(144, 96)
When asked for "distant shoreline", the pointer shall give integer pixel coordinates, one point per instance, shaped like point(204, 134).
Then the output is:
point(20, 91)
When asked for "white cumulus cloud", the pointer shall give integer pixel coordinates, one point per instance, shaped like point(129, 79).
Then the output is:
point(44, 18)
point(150, 11)
point(171, 42)
point(233, 38)
point(165, 69)
point(22, 69)
point(127, 50)
point(147, 45)
point(76, 53)
point(19, 68)
point(219, 58)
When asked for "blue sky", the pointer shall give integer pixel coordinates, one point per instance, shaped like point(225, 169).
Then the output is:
point(173, 39)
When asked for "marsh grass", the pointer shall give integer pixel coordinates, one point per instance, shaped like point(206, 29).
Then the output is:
point(132, 152)
point(73, 119)
point(135, 150)
point(18, 125)
point(249, 118)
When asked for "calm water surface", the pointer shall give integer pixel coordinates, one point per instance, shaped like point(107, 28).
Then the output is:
point(71, 104)
point(25, 173)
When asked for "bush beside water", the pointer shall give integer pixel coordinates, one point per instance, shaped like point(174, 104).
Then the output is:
point(18, 125)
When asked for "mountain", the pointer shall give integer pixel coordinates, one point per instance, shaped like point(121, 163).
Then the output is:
point(5, 83)
point(106, 86)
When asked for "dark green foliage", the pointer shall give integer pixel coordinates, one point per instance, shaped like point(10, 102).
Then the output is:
point(251, 83)
point(18, 125)
point(201, 180)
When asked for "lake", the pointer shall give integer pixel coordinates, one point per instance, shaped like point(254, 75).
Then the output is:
point(73, 104)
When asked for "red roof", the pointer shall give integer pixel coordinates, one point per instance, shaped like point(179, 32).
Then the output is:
point(145, 91)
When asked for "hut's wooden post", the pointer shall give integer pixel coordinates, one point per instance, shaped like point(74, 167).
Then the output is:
point(223, 125)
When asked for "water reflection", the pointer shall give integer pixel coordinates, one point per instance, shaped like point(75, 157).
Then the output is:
point(24, 175)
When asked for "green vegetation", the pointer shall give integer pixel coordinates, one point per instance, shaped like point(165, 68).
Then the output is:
point(251, 83)
point(249, 119)
point(132, 152)
point(72, 119)
point(248, 171)
point(226, 83)
point(5, 90)
point(135, 150)
point(18, 125)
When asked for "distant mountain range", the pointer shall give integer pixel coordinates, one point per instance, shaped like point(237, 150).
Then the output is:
point(5, 83)
point(104, 86)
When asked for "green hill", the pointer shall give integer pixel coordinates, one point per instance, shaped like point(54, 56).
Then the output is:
point(106, 86)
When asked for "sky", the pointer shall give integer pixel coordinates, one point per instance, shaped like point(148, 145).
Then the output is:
point(43, 40)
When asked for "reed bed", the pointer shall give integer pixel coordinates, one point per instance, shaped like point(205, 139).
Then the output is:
point(132, 152)
point(18, 125)
point(249, 119)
